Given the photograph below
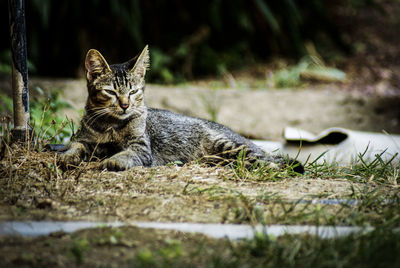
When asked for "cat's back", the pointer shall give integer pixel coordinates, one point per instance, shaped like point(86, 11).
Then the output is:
point(174, 137)
point(167, 123)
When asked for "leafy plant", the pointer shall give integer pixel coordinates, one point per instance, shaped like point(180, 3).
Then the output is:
point(49, 124)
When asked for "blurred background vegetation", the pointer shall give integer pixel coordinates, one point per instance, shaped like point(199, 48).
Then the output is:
point(188, 39)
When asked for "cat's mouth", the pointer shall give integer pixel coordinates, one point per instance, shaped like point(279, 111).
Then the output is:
point(123, 115)
point(128, 114)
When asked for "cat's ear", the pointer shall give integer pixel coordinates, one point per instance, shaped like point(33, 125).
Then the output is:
point(95, 65)
point(142, 63)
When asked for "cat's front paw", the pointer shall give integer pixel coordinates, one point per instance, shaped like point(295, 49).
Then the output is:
point(115, 164)
point(69, 159)
point(73, 156)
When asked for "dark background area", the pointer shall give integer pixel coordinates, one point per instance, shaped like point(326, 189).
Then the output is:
point(194, 39)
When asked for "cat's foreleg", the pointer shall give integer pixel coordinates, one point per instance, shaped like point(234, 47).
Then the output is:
point(75, 153)
point(127, 159)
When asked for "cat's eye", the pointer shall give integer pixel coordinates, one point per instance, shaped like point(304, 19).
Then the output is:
point(133, 92)
point(111, 92)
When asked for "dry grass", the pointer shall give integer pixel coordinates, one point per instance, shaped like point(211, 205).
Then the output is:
point(34, 187)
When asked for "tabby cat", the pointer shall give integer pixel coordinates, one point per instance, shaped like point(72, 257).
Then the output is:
point(119, 127)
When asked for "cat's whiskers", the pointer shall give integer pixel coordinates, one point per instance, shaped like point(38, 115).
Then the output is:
point(94, 109)
point(96, 115)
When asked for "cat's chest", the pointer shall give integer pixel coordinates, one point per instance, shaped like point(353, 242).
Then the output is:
point(105, 149)
point(109, 142)
point(110, 136)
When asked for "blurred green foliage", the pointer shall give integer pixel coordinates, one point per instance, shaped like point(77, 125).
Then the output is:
point(5, 62)
point(188, 39)
point(6, 65)
point(308, 68)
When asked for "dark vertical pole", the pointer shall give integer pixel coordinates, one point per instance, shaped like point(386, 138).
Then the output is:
point(22, 131)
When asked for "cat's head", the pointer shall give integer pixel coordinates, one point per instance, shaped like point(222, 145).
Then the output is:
point(115, 91)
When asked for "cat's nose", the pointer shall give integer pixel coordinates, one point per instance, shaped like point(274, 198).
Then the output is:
point(124, 106)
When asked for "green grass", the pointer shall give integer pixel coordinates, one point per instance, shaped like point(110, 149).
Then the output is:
point(375, 171)
point(245, 170)
point(374, 198)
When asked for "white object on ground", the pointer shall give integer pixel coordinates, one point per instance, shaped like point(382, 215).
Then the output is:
point(339, 145)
